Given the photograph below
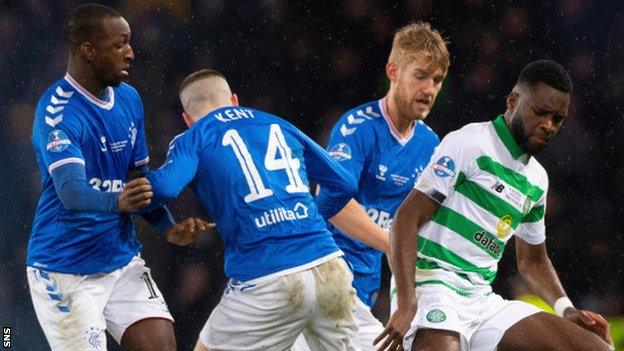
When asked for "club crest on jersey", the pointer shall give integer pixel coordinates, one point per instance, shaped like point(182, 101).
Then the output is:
point(341, 152)
point(503, 228)
point(57, 141)
point(444, 167)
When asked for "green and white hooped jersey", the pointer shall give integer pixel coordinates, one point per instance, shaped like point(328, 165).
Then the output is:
point(488, 190)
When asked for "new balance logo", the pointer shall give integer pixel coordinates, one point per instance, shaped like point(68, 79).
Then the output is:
point(498, 187)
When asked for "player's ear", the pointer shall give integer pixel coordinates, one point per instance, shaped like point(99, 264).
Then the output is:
point(512, 100)
point(187, 119)
point(87, 51)
point(234, 99)
point(392, 70)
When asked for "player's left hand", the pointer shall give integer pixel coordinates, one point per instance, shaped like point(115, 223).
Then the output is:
point(185, 232)
point(591, 321)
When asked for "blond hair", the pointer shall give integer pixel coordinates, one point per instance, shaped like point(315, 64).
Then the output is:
point(417, 41)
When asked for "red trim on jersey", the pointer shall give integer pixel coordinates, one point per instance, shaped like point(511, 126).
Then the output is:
point(107, 105)
point(395, 133)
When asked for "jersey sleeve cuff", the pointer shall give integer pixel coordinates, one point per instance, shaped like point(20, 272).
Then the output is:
point(141, 162)
point(65, 161)
point(431, 192)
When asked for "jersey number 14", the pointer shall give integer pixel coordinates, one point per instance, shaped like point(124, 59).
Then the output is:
point(277, 144)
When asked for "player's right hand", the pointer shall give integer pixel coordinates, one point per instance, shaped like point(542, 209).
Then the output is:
point(136, 194)
point(398, 324)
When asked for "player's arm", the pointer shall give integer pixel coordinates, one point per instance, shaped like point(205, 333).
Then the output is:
point(432, 188)
point(356, 223)
point(540, 276)
point(167, 182)
point(159, 217)
point(415, 211)
point(177, 171)
point(75, 193)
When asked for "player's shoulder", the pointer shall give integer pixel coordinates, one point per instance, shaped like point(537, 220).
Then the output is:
point(127, 92)
point(425, 132)
point(470, 134)
point(360, 120)
point(59, 103)
point(538, 173)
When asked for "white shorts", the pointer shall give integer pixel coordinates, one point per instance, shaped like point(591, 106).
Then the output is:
point(480, 320)
point(269, 315)
point(368, 329)
point(75, 310)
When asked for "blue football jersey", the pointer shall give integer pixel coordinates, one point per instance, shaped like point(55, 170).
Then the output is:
point(386, 166)
point(251, 171)
point(107, 137)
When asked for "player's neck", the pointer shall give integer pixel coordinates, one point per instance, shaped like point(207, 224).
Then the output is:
point(402, 124)
point(85, 77)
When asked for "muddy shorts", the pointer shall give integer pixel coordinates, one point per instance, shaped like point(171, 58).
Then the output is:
point(269, 315)
point(369, 328)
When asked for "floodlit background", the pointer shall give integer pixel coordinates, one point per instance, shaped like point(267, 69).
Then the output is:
point(309, 61)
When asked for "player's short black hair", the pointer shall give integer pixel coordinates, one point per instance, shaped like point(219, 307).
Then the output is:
point(195, 76)
point(85, 21)
point(547, 72)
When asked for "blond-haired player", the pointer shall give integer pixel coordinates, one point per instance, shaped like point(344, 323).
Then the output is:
point(385, 145)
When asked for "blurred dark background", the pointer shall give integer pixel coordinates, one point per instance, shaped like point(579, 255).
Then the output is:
point(309, 61)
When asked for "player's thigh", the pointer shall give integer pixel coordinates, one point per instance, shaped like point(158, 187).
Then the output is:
point(136, 314)
point(264, 316)
point(543, 331)
point(436, 339)
point(333, 326)
point(70, 308)
point(149, 334)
